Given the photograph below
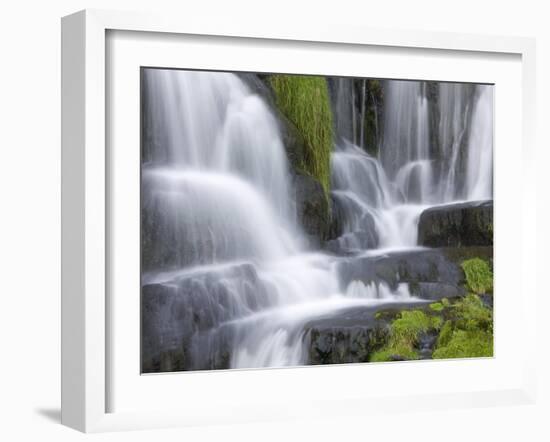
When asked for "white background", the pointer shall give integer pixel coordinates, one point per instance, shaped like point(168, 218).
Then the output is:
point(30, 220)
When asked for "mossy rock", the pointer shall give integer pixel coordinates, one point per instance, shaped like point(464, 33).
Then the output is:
point(466, 344)
point(469, 331)
point(405, 332)
point(459, 328)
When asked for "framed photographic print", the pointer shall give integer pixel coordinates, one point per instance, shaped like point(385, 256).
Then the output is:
point(250, 213)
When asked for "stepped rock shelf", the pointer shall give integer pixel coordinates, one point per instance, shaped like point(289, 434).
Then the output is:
point(353, 334)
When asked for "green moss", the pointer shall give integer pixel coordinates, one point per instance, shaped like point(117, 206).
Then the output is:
point(466, 344)
point(304, 100)
point(469, 333)
point(464, 326)
point(410, 324)
point(479, 277)
point(404, 334)
point(445, 334)
point(473, 315)
point(393, 353)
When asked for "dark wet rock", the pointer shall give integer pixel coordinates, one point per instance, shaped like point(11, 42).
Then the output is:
point(431, 274)
point(181, 317)
point(348, 336)
point(413, 267)
point(459, 254)
point(457, 225)
point(487, 300)
point(434, 291)
point(426, 344)
point(337, 217)
point(312, 208)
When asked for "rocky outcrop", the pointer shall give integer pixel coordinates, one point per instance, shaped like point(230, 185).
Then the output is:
point(312, 208)
point(182, 312)
point(348, 336)
point(428, 272)
point(457, 225)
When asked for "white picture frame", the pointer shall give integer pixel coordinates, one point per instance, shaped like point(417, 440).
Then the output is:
point(86, 202)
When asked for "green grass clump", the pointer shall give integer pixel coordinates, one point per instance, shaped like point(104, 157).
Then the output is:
point(304, 100)
point(411, 323)
point(472, 314)
point(466, 344)
point(394, 352)
point(404, 336)
point(479, 277)
point(437, 306)
point(469, 333)
point(445, 334)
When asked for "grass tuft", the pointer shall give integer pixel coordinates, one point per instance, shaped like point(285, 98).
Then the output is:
point(404, 334)
point(437, 306)
point(469, 333)
point(304, 100)
point(479, 277)
point(466, 344)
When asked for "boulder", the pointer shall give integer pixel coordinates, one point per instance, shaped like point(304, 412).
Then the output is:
point(347, 336)
point(457, 225)
point(350, 335)
point(416, 267)
point(431, 274)
point(183, 316)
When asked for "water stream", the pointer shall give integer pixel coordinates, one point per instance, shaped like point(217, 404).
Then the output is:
point(382, 197)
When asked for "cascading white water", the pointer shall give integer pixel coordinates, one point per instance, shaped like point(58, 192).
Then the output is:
point(479, 175)
point(383, 197)
point(217, 207)
point(370, 203)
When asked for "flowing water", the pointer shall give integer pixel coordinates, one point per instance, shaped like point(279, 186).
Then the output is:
point(420, 161)
point(218, 206)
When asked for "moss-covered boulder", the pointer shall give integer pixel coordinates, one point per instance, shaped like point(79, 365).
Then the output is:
point(348, 336)
point(457, 225)
point(409, 334)
point(468, 331)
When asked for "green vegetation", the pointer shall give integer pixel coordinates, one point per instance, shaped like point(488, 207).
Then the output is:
point(404, 334)
point(445, 334)
point(394, 352)
point(479, 277)
point(466, 344)
point(469, 332)
point(437, 306)
point(464, 327)
point(304, 100)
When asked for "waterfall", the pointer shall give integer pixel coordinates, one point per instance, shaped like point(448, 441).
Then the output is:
point(219, 230)
point(436, 149)
point(479, 175)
